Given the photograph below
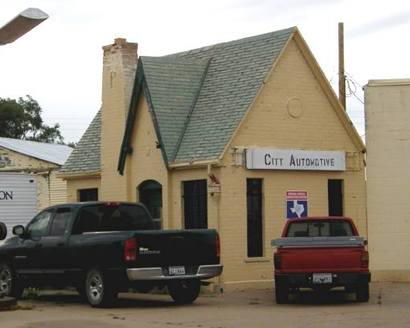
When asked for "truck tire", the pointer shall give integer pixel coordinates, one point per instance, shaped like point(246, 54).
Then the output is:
point(184, 291)
point(3, 231)
point(362, 292)
point(99, 290)
point(281, 292)
point(9, 284)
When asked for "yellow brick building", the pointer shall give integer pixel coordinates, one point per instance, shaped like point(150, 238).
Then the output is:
point(223, 137)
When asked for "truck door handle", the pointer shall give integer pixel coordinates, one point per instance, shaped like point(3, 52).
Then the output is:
point(60, 244)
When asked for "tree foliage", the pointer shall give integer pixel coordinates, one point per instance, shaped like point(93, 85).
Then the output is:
point(21, 119)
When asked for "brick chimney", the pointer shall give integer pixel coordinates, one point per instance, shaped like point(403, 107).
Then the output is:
point(119, 67)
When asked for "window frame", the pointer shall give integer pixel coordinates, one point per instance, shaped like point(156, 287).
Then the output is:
point(36, 218)
point(261, 242)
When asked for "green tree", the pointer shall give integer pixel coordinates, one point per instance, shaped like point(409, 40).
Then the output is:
point(21, 119)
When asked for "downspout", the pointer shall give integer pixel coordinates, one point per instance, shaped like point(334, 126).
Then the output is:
point(49, 187)
point(218, 224)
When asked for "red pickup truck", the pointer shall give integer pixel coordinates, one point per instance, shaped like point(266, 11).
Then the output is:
point(321, 253)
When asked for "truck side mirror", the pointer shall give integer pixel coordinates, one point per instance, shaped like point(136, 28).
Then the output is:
point(3, 231)
point(365, 242)
point(19, 230)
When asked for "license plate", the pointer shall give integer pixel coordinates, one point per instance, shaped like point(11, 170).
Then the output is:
point(176, 271)
point(322, 278)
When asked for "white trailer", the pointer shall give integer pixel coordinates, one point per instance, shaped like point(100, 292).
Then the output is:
point(18, 198)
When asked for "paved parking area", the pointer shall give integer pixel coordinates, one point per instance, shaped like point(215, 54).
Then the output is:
point(389, 306)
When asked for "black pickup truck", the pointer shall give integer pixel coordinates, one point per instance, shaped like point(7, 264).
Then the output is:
point(103, 248)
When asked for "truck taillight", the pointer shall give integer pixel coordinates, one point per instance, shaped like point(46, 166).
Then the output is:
point(112, 204)
point(365, 259)
point(218, 246)
point(130, 250)
point(277, 261)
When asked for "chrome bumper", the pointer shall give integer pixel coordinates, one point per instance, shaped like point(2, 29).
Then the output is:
point(204, 272)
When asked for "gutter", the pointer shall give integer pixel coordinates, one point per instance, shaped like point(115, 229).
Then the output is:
point(78, 175)
point(195, 164)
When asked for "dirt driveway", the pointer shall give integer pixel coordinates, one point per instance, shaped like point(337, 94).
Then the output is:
point(389, 306)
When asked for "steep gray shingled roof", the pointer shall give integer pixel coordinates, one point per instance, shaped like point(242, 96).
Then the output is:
point(234, 74)
point(173, 87)
point(86, 156)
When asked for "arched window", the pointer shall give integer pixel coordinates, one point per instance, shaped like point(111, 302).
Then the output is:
point(150, 194)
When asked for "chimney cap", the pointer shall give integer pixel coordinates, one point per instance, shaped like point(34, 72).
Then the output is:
point(120, 41)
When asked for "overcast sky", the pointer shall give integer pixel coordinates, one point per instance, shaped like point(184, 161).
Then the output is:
point(59, 63)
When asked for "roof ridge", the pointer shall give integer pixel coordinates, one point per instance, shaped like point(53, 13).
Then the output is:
point(253, 37)
point(188, 118)
point(33, 141)
point(175, 59)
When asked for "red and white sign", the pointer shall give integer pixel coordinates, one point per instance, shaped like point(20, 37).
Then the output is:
point(296, 195)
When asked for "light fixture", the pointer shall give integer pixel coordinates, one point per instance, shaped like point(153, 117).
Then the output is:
point(21, 24)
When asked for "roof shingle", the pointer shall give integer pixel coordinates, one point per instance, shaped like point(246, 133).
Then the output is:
point(86, 155)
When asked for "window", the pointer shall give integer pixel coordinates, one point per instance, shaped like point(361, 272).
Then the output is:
point(254, 217)
point(39, 226)
point(195, 204)
point(320, 229)
point(107, 217)
point(335, 197)
point(60, 221)
point(150, 194)
point(87, 195)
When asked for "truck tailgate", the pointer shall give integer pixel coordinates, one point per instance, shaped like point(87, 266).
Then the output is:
point(176, 247)
point(321, 259)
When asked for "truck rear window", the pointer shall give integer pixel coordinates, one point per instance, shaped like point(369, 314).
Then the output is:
point(320, 229)
point(101, 217)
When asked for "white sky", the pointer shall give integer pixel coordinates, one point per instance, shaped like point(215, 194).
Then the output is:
point(59, 63)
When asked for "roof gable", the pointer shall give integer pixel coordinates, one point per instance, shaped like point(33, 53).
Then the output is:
point(53, 153)
point(235, 75)
point(196, 121)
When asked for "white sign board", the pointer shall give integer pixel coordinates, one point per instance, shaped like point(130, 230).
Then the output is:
point(293, 159)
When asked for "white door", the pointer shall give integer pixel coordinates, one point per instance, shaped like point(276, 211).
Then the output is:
point(18, 199)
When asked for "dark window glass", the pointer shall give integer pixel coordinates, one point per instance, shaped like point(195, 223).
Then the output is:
point(150, 194)
point(88, 195)
point(195, 204)
point(60, 221)
point(104, 217)
point(254, 217)
point(320, 229)
point(39, 226)
point(335, 197)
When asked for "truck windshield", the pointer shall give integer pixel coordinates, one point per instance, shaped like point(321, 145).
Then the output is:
point(101, 217)
point(320, 229)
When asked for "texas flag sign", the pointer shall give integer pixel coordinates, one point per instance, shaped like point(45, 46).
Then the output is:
point(296, 204)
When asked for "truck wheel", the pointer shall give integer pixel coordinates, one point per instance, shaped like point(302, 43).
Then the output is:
point(281, 292)
point(99, 291)
point(362, 292)
point(9, 284)
point(184, 291)
point(3, 231)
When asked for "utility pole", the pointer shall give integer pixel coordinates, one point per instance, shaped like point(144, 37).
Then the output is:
point(21, 24)
point(342, 77)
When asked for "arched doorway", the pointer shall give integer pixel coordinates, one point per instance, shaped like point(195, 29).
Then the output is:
point(150, 194)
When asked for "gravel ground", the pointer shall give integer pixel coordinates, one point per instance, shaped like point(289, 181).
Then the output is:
point(389, 306)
